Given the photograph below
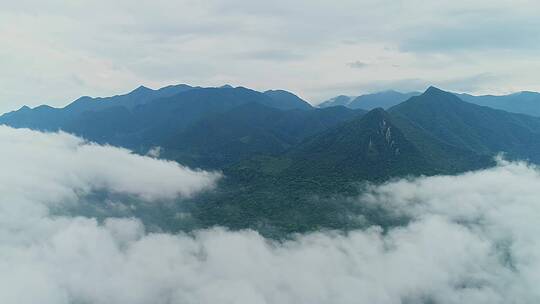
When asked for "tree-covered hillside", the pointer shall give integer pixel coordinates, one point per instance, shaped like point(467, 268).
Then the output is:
point(288, 166)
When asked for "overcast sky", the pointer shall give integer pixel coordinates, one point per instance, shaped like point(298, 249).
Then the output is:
point(54, 51)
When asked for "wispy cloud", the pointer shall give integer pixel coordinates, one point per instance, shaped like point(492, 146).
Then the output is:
point(357, 64)
point(272, 55)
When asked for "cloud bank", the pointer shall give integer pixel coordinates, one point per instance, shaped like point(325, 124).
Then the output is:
point(51, 166)
point(471, 238)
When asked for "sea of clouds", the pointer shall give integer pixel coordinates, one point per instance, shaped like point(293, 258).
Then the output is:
point(471, 238)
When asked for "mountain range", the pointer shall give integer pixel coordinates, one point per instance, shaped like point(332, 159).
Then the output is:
point(385, 100)
point(521, 102)
point(285, 161)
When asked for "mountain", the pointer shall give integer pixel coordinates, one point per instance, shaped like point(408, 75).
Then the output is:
point(375, 147)
point(217, 127)
point(248, 130)
point(154, 123)
point(79, 115)
point(286, 100)
point(299, 190)
point(435, 132)
point(522, 102)
point(370, 147)
point(140, 95)
point(472, 127)
point(201, 127)
point(48, 118)
point(385, 100)
point(287, 164)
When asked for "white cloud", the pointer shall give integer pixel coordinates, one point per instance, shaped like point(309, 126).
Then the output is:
point(471, 239)
point(154, 152)
point(56, 167)
point(40, 254)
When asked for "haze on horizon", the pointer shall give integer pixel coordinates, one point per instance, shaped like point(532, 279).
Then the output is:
point(55, 51)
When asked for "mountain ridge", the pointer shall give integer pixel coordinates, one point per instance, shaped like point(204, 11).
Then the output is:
point(523, 102)
point(52, 119)
point(283, 167)
point(383, 99)
point(469, 126)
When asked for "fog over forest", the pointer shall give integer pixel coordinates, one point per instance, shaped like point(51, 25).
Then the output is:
point(470, 237)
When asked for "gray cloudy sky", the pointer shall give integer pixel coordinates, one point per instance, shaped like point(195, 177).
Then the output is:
point(56, 50)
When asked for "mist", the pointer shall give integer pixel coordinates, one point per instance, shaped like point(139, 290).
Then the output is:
point(470, 238)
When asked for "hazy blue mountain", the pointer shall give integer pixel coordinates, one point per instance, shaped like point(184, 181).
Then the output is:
point(522, 102)
point(476, 128)
point(78, 115)
point(285, 100)
point(152, 123)
point(40, 118)
point(248, 130)
point(385, 100)
point(48, 118)
point(203, 127)
point(284, 161)
point(140, 95)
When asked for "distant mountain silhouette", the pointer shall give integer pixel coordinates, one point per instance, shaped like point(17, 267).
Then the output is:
point(203, 127)
point(72, 117)
point(385, 100)
point(286, 100)
point(48, 118)
point(476, 128)
point(522, 102)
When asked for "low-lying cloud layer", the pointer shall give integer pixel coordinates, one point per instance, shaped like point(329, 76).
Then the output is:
point(471, 239)
point(49, 167)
